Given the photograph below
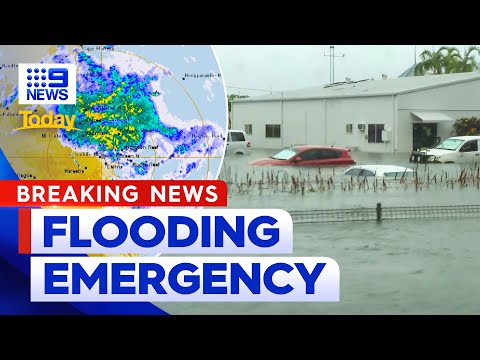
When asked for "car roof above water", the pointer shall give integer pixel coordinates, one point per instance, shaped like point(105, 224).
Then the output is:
point(308, 147)
point(381, 169)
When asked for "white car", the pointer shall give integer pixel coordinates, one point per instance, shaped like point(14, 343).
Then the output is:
point(237, 142)
point(456, 149)
point(380, 171)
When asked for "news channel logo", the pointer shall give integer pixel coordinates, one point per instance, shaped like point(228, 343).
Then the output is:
point(47, 84)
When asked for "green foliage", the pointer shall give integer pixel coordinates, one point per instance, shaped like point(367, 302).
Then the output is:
point(230, 98)
point(466, 126)
point(447, 60)
point(234, 97)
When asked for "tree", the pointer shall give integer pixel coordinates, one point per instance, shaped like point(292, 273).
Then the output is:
point(234, 97)
point(430, 61)
point(468, 62)
point(450, 59)
point(230, 98)
point(466, 126)
point(447, 60)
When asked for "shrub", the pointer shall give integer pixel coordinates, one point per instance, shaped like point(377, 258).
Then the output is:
point(466, 126)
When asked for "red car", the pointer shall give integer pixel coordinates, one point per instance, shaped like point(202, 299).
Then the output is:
point(308, 155)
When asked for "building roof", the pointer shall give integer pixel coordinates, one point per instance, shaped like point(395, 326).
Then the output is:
point(409, 72)
point(369, 87)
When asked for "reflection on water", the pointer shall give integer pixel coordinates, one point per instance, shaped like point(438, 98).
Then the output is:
point(415, 266)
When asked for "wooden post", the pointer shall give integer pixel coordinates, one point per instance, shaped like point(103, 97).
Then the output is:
point(379, 211)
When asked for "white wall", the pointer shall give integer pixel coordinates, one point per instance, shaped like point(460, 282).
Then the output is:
point(367, 110)
point(258, 114)
point(304, 121)
point(460, 96)
point(404, 141)
point(456, 101)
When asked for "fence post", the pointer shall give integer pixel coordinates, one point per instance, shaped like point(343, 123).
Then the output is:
point(379, 211)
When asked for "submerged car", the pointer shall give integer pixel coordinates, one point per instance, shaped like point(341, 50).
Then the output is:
point(380, 171)
point(308, 155)
point(237, 142)
point(452, 150)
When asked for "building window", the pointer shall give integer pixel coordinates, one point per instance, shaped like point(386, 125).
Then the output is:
point(248, 129)
point(272, 131)
point(375, 133)
point(349, 128)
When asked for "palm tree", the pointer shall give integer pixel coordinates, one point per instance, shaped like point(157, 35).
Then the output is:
point(447, 60)
point(451, 58)
point(467, 62)
point(430, 61)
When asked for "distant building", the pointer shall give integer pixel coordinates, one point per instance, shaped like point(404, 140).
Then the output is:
point(387, 115)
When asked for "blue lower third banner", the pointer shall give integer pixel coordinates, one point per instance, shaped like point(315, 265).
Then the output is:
point(197, 279)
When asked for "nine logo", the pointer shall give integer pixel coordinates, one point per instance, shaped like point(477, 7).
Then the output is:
point(47, 84)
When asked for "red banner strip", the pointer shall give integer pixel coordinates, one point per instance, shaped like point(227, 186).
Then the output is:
point(91, 193)
point(24, 231)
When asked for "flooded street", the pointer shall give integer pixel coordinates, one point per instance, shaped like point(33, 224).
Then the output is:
point(399, 266)
point(438, 191)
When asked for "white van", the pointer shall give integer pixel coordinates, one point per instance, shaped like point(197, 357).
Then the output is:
point(237, 142)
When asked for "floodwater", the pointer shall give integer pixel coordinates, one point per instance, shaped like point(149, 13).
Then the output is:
point(399, 266)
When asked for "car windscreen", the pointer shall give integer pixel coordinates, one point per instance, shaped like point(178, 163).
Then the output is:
point(285, 154)
point(353, 172)
point(450, 144)
point(237, 136)
point(359, 172)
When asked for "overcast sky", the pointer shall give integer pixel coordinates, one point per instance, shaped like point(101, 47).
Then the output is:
point(287, 67)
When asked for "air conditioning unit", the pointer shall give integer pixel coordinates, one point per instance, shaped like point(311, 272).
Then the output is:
point(362, 127)
point(386, 135)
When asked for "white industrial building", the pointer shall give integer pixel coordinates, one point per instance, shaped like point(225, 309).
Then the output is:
point(388, 115)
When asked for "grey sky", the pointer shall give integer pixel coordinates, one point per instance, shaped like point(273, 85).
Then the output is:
point(287, 67)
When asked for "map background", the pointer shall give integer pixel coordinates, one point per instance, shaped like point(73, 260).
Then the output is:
point(26, 152)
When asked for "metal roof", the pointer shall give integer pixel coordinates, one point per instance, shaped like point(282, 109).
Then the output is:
point(369, 87)
point(409, 72)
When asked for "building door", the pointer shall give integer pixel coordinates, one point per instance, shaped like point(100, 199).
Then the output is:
point(424, 135)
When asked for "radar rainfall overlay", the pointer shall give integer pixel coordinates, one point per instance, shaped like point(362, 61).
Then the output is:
point(148, 112)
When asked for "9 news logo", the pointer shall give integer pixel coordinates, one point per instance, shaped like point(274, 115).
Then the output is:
point(47, 84)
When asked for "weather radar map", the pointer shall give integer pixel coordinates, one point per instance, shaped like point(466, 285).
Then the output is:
point(152, 112)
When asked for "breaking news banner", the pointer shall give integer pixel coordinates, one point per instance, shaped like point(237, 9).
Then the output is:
point(160, 230)
point(139, 231)
point(110, 194)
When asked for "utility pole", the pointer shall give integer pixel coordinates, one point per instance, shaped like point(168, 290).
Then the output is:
point(332, 57)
